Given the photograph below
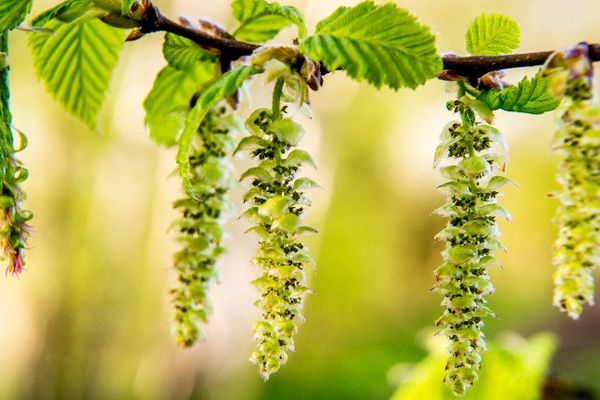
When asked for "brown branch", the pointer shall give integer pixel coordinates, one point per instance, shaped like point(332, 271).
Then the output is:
point(153, 20)
point(471, 66)
point(477, 66)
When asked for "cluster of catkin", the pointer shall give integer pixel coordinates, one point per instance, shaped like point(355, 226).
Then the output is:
point(14, 229)
point(200, 229)
point(471, 236)
point(278, 203)
point(576, 251)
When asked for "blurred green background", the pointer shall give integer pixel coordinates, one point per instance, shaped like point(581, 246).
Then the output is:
point(89, 319)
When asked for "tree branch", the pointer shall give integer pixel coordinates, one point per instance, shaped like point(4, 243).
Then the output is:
point(470, 66)
point(153, 20)
point(477, 66)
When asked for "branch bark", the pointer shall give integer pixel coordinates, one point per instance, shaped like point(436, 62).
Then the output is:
point(153, 20)
point(470, 66)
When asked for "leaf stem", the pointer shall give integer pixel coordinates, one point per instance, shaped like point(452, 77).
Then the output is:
point(277, 92)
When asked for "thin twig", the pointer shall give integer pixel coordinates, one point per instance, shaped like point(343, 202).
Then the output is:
point(154, 21)
point(470, 66)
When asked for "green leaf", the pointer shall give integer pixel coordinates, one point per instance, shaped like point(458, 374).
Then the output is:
point(495, 210)
point(498, 182)
point(222, 88)
point(474, 166)
point(441, 150)
point(250, 143)
point(460, 254)
point(67, 11)
point(113, 6)
point(288, 221)
point(169, 100)
point(257, 172)
point(305, 183)
point(261, 21)
point(383, 44)
point(76, 63)
point(273, 206)
point(299, 157)
point(182, 53)
point(531, 96)
point(13, 12)
point(287, 131)
point(492, 35)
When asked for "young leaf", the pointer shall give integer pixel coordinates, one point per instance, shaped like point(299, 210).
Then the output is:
point(67, 11)
point(224, 87)
point(383, 44)
point(250, 143)
point(169, 101)
point(531, 96)
point(299, 157)
point(305, 183)
point(492, 35)
point(261, 21)
point(12, 13)
point(288, 131)
point(76, 63)
point(182, 53)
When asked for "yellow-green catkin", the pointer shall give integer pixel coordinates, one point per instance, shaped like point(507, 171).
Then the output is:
point(278, 203)
point(576, 252)
point(200, 228)
point(14, 227)
point(471, 236)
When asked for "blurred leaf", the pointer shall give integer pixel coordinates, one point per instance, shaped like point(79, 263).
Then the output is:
point(182, 53)
point(261, 21)
point(288, 221)
point(67, 11)
point(531, 96)
point(305, 183)
point(76, 63)
point(474, 166)
point(498, 182)
point(169, 100)
point(126, 6)
point(492, 35)
point(299, 157)
point(460, 254)
point(13, 12)
point(514, 369)
point(287, 131)
point(257, 172)
point(383, 44)
point(250, 143)
point(495, 210)
point(273, 206)
point(441, 150)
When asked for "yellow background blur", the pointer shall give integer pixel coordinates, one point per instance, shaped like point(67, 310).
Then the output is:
point(89, 318)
